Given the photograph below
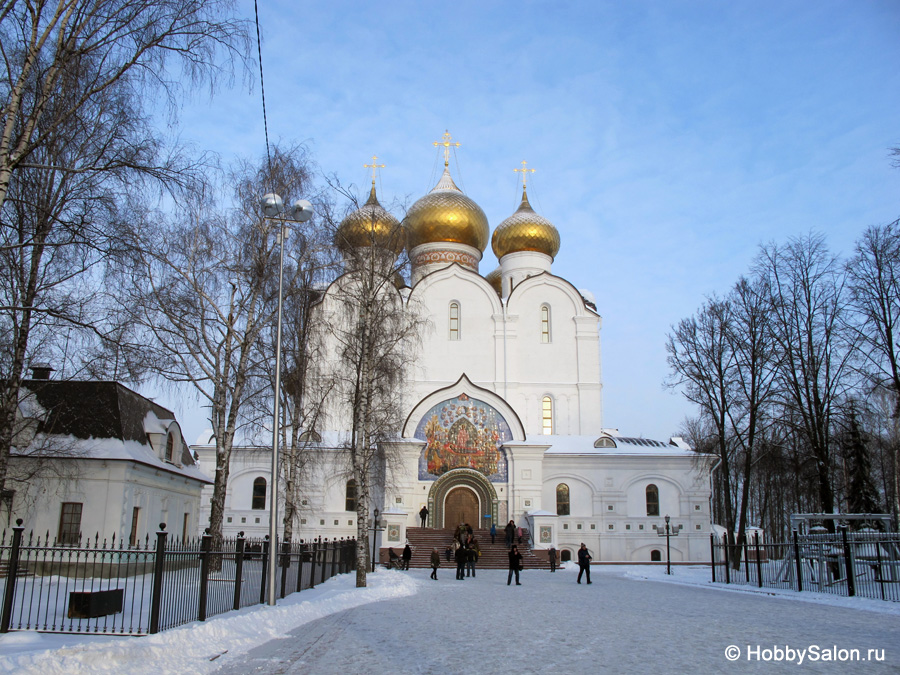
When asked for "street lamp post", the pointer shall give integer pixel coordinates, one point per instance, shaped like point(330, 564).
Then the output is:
point(667, 534)
point(375, 530)
point(300, 212)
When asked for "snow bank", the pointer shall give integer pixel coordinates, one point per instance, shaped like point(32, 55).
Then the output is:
point(195, 647)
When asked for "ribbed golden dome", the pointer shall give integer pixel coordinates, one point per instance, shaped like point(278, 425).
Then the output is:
point(525, 230)
point(370, 225)
point(495, 279)
point(446, 215)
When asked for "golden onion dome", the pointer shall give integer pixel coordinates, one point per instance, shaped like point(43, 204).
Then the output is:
point(446, 215)
point(525, 230)
point(495, 279)
point(370, 225)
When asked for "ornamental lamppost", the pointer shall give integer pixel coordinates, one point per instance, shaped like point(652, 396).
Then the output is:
point(301, 211)
point(375, 530)
point(667, 534)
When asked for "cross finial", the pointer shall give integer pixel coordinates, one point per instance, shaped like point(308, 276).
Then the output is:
point(374, 167)
point(445, 141)
point(524, 171)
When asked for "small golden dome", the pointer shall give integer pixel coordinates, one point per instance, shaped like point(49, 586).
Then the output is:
point(525, 230)
point(370, 225)
point(446, 215)
point(495, 279)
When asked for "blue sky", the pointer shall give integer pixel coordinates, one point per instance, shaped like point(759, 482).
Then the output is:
point(670, 138)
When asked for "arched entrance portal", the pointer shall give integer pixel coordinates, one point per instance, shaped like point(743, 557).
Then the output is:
point(462, 495)
point(461, 506)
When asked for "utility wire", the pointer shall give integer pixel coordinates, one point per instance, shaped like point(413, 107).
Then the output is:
point(262, 89)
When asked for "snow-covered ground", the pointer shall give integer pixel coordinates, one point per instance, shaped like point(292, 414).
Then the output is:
point(406, 623)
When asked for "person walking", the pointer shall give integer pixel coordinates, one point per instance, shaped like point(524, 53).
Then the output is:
point(423, 515)
point(472, 553)
point(584, 563)
point(510, 533)
point(460, 562)
point(493, 532)
point(515, 565)
point(407, 556)
point(552, 555)
point(435, 563)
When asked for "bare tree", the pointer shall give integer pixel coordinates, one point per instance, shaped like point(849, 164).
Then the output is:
point(372, 336)
point(808, 306)
point(73, 138)
point(874, 285)
point(203, 288)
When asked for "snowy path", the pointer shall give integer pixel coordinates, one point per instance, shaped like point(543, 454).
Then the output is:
point(615, 625)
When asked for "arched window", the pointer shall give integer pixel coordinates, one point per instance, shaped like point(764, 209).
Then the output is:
point(562, 499)
point(170, 447)
point(259, 493)
point(454, 321)
point(350, 497)
point(656, 555)
point(545, 324)
point(547, 415)
point(652, 500)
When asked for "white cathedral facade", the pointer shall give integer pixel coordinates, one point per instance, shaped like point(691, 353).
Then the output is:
point(504, 417)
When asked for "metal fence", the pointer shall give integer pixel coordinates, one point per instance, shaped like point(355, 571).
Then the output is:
point(865, 563)
point(112, 587)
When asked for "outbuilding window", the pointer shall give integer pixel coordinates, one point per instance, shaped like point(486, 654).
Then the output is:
point(259, 493)
point(562, 499)
point(652, 500)
point(350, 496)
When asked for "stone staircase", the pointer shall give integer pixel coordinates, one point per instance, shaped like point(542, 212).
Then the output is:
point(493, 556)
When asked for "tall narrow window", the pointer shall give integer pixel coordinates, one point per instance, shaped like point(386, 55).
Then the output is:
point(454, 321)
point(350, 499)
point(184, 527)
point(259, 493)
point(547, 415)
point(562, 499)
point(70, 523)
point(652, 500)
point(170, 447)
point(545, 324)
point(135, 516)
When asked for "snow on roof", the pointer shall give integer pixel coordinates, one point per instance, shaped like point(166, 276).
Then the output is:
point(625, 445)
point(114, 449)
point(155, 425)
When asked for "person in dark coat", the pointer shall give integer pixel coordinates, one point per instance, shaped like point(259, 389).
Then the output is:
point(493, 532)
point(461, 556)
point(551, 554)
point(510, 533)
point(584, 563)
point(435, 563)
point(423, 515)
point(472, 551)
point(515, 564)
point(407, 556)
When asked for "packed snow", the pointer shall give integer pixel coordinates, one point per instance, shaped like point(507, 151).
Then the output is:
point(404, 622)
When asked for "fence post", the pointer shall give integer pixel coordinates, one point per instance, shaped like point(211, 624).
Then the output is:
point(158, 565)
point(285, 563)
point(312, 565)
point(746, 548)
point(334, 557)
point(265, 571)
point(798, 562)
point(758, 561)
point(324, 550)
point(848, 561)
point(712, 555)
point(879, 571)
point(727, 561)
point(205, 542)
point(11, 577)
point(238, 569)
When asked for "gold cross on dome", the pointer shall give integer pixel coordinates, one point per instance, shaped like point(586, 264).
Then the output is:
point(445, 141)
point(524, 171)
point(374, 167)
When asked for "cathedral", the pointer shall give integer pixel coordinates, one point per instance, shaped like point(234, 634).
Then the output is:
point(503, 407)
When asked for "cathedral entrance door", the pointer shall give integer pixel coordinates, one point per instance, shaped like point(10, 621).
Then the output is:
point(461, 506)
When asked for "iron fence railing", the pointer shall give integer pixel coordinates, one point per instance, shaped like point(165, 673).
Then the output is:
point(113, 587)
point(864, 563)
